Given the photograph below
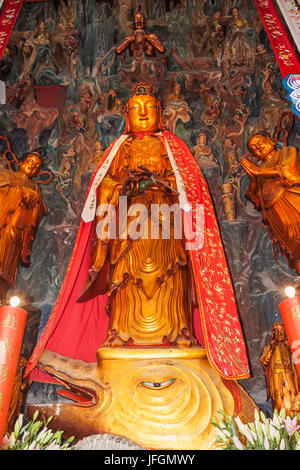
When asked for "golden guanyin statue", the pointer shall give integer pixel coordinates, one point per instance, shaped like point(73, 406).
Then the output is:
point(21, 210)
point(137, 286)
point(280, 371)
point(275, 189)
point(149, 288)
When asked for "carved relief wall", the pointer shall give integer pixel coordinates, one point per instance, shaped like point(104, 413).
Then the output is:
point(218, 82)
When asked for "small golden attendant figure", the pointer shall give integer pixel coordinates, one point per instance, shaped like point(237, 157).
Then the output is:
point(21, 210)
point(275, 189)
point(280, 371)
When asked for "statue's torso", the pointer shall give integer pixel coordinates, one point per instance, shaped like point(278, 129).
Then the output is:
point(148, 283)
point(148, 151)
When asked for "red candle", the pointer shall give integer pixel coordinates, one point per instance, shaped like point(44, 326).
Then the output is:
point(12, 325)
point(290, 313)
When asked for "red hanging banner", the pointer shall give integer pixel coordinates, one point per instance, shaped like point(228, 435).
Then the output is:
point(284, 52)
point(7, 21)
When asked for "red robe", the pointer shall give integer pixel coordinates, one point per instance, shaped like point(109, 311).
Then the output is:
point(77, 330)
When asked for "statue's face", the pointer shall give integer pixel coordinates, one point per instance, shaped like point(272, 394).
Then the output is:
point(261, 146)
point(202, 139)
point(98, 147)
point(143, 114)
point(279, 332)
point(177, 88)
point(31, 165)
point(138, 21)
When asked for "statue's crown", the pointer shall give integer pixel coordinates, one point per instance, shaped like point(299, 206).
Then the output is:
point(142, 89)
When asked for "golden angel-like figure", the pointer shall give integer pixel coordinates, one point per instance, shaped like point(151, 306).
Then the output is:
point(275, 189)
point(21, 210)
point(280, 371)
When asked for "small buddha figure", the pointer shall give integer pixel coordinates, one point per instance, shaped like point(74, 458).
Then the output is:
point(274, 188)
point(41, 33)
point(217, 39)
point(68, 161)
point(21, 210)
point(230, 153)
point(96, 157)
point(113, 104)
point(176, 109)
point(237, 23)
point(140, 42)
point(203, 153)
point(176, 96)
point(280, 371)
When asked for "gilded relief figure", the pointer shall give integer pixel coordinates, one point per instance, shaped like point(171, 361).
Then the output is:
point(176, 109)
point(203, 152)
point(96, 156)
point(280, 371)
point(274, 188)
point(139, 42)
point(230, 154)
point(21, 210)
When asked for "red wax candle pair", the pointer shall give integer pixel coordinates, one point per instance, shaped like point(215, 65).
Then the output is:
point(12, 326)
point(290, 313)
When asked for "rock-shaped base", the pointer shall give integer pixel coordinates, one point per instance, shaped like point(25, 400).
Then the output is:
point(159, 398)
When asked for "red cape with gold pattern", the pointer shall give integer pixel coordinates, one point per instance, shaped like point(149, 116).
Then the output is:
point(77, 330)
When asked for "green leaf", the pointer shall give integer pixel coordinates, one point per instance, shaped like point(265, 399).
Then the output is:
point(263, 417)
point(282, 413)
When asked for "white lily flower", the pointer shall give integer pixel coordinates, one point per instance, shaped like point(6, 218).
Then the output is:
point(239, 422)
point(33, 446)
point(274, 433)
point(282, 444)
point(26, 433)
point(238, 443)
point(243, 428)
point(266, 444)
point(221, 434)
point(52, 446)
point(12, 440)
point(276, 420)
point(41, 435)
point(20, 420)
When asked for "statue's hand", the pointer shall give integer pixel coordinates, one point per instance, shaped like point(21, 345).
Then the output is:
point(249, 167)
point(145, 183)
